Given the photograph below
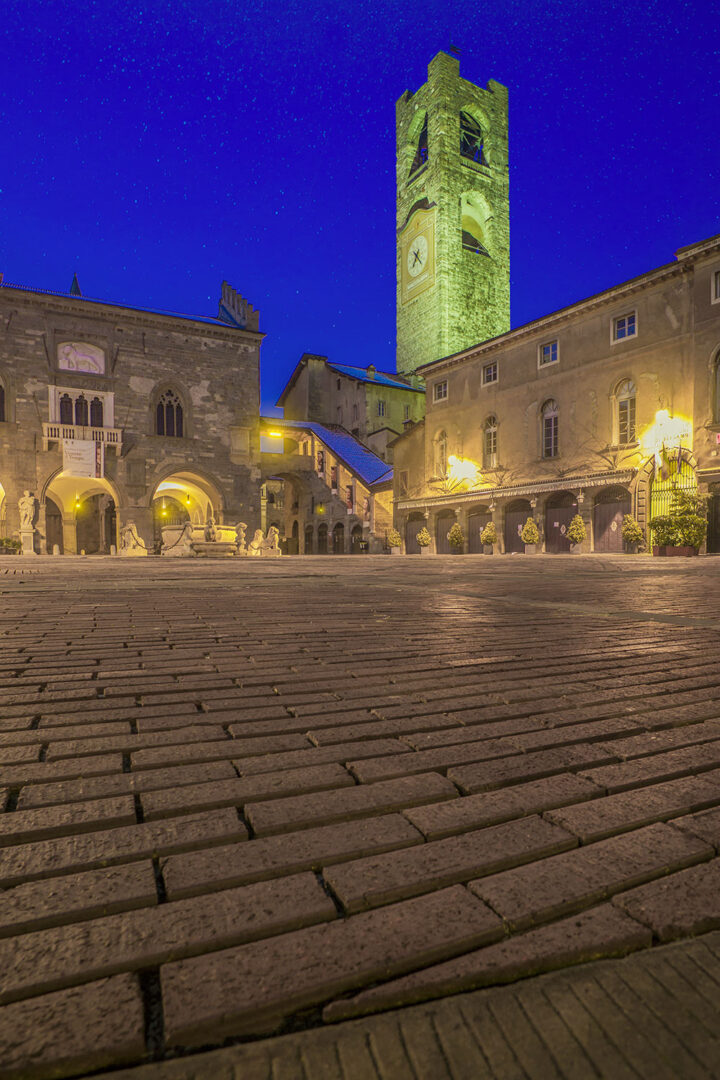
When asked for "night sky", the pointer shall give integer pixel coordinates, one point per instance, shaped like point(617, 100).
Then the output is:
point(157, 148)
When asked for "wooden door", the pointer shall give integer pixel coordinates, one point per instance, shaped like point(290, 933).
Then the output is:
point(557, 519)
point(607, 525)
point(412, 528)
point(514, 521)
point(476, 524)
point(442, 528)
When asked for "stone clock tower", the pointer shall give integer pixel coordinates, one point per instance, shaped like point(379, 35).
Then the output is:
point(453, 225)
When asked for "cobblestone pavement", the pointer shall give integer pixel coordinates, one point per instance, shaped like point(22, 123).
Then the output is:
point(248, 797)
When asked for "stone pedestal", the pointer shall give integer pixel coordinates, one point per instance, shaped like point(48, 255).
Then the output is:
point(27, 536)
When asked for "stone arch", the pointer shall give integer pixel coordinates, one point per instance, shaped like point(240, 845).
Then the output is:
point(83, 513)
point(476, 223)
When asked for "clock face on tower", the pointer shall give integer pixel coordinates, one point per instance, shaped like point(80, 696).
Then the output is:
point(417, 255)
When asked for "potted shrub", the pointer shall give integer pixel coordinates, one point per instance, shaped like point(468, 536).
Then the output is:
point(576, 533)
point(530, 536)
point(424, 540)
point(632, 534)
point(394, 540)
point(9, 546)
point(456, 538)
point(683, 529)
point(488, 537)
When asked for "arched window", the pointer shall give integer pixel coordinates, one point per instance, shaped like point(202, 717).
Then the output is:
point(66, 409)
point(625, 398)
point(550, 429)
point(474, 217)
point(440, 454)
point(169, 415)
point(421, 149)
point(471, 139)
point(490, 443)
point(81, 411)
point(96, 413)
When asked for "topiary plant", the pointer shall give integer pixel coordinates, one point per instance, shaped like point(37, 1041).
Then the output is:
point(423, 538)
point(489, 534)
point(530, 534)
point(394, 538)
point(455, 536)
point(631, 531)
point(577, 532)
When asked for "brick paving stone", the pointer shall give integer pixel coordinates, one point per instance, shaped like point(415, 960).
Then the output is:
point(105, 787)
point(46, 771)
point(487, 775)
point(373, 727)
point(633, 809)
point(38, 904)
point(251, 988)
point(187, 736)
point(704, 825)
point(43, 858)
point(655, 742)
point(284, 815)
point(424, 760)
point(567, 882)
point(665, 766)
point(461, 732)
point(492, 808)
point(237, 791)
point(203, 871)
point(593, 731)
point(681, 905)
point(19, 755)
point(340, 752)
point(594, 933)
point(26, 825)
point(44, 734)
point(51, 959)
point(380, 879)
point(73, 1031)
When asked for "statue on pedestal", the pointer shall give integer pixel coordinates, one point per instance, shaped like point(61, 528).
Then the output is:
point(26, 506)
point(131, 544)
point(240, 530)
point(256, 545)
point(272, 543)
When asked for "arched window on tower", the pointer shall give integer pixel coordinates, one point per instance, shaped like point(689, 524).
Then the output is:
point(440, 454)
point(421, 149)
point(96, 412)
point(474, 221)
point(490, 457)
point(625, 398)
point(472, 142)
point(81, 411)
point(169, 415)
point(66, 409)
point(550, 429)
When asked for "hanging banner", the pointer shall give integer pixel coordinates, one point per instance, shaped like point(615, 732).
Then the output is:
point(83, 457)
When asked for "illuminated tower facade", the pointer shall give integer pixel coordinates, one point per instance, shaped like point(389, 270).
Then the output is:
point(453, 222)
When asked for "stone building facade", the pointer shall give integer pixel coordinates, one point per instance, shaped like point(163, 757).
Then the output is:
point(374, 406)
point(111, 415)
point(336, 494)
point(453, 224)
point(597, 409)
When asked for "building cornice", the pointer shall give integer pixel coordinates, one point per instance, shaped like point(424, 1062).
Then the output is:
point(539, 487)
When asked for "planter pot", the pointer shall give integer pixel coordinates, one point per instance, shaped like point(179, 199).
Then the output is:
point(425, 550)
point(575, 549)
point(659, 550)
point(530, 549)
point(685, 549)
point(487, 549)
point(631, 547)
point(457, 551)
point(395, 551)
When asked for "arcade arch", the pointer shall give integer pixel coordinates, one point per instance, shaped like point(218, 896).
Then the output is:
point(184, 496)
point(80, 514)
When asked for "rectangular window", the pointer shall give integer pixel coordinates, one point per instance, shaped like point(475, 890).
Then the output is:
point(716, 287)
point(548, 353)
point(406, 412)
point(349, 497)
point(333, 477)
point(355, 412)
point(321, 461)
point(490, 373)
point(381, 408)
point(624, 327)
point(403, 482)
point(440, 391)
point(550, 436)
point(490, 455)
point(626, 421)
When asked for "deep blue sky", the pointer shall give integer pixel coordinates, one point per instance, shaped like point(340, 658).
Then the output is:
point(157, 148)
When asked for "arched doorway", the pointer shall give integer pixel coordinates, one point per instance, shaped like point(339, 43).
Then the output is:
point(413, 525)
point(338, 539)
point(309, 546)
point(478, 518)
point(611, 506)
point(560, 509)
point(516, 514)
point(322, 545)
point(80, 515)
point(182, 497)
point(445, 520)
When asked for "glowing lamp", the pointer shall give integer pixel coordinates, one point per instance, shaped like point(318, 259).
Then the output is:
point(462, 472)
point(275, 434)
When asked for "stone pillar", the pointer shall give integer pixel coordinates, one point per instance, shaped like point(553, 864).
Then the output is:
point(69, 528)
point(41, 531)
